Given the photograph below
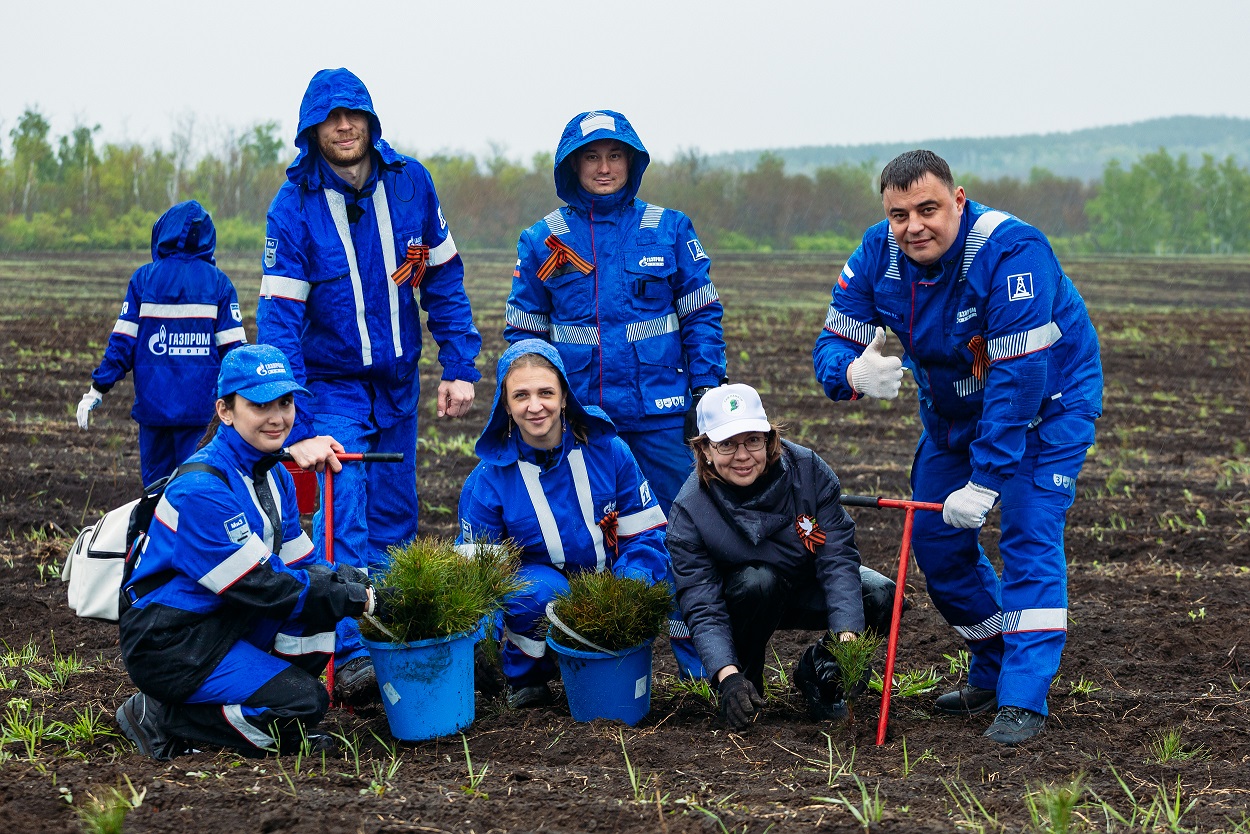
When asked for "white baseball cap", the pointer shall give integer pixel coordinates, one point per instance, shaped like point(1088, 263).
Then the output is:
point(729, 410)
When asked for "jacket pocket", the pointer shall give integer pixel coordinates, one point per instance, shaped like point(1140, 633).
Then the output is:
point(647, 285)
point(663, 386)
point(578, 366)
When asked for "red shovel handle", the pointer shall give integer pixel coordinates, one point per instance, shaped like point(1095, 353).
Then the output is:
point(887, 676)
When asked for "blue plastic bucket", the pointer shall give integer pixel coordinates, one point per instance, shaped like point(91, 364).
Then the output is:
point(606, 686)
point(427, 685)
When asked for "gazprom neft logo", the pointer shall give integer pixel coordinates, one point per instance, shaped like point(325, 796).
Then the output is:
point(180, 344)
point(965, 315)
point(651, 260)
point(266, 368)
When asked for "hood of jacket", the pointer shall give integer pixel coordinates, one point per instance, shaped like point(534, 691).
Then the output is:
point(495, 446)
point(186, 230)
point(589, 127)
point(329, 90)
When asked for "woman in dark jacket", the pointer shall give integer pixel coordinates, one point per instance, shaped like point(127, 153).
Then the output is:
point(759, 542)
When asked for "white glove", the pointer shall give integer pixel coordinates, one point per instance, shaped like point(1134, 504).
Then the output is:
point(966, 507)
point(88, 404)
point(874, 375)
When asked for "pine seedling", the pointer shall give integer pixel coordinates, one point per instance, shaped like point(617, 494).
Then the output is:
point(612, 612)
point(854, 658)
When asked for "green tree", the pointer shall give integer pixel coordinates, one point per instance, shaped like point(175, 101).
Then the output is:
point(33, 160)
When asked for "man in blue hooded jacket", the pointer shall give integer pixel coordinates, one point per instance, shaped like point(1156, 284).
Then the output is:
point(180, 317)
point(1006, 361)
point(355, 240)
point(621, 288)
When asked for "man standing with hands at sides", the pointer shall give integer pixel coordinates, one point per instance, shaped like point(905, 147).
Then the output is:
point(1006, 362)
point(355, 239)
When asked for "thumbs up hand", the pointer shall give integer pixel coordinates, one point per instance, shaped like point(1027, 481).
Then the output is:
point(875, 375)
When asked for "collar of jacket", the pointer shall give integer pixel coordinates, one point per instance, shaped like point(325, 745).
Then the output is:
point(764, 514)
point(604, 207)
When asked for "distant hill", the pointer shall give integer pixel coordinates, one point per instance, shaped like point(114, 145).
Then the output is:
point(1081, 153)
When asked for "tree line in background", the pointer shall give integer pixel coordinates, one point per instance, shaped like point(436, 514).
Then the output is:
point(71, 192)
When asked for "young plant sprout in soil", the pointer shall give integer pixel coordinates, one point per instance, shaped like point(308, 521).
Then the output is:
point(435, 590)
point(854, 659)
point(612, 612)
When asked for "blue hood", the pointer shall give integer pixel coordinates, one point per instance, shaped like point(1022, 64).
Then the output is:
point(329, 90)
point(495, 446)
point(186, 230)
point(591, 127)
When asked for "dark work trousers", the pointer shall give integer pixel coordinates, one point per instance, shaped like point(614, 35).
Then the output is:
point(760, 601)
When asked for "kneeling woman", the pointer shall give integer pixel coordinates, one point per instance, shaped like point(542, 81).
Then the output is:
point(759, 542)
point(227, 620)
point(555, 479)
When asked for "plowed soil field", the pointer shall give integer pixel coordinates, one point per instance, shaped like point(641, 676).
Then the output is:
point(1150, 717)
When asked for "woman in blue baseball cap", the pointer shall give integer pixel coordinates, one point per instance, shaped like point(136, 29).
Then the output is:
point(227, 618)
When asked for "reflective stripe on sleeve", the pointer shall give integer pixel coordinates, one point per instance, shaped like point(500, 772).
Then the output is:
point(848, 328)
point(444, 252)
point(387, 241)
point(1035, 619)
point(697, 300)
point(575, 334)
point(521, 320)
point(296, 549)
point(338, 210)
point(177, 311)
point(279, 286)
point(984, 630)
point(1020, 344)
point(542, 510)
point(635, 523)
point(235, 566)
point(255, 736)
point(586, 501)
point(638, 330)
point(234, 334)
point(528, 645)
point(127, 328)
point(166, 513)
point(293, 645)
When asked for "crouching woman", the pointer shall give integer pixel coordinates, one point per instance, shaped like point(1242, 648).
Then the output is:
point(556, 480)
point(227, 619)
point(759, 543)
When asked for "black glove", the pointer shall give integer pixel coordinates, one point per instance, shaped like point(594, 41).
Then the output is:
point(739, 702)
point(384, 601)
point(692, 416)
point(878, 596)
point(350, 574)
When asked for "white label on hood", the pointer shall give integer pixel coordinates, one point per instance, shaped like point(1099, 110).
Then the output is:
point(597, 121)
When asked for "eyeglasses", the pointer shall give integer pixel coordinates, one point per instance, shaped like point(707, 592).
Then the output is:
point(729, 447)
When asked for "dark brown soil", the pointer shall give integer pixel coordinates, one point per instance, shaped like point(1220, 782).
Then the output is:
point(1158, 543)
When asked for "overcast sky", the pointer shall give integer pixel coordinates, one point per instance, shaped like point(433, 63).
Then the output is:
point(714, 76)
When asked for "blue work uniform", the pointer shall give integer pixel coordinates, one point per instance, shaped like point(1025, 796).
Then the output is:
point(231, 613)
point(180, 316)
point(584, 505)
point(621, 288)
point(1006, 362)
point(346, 274)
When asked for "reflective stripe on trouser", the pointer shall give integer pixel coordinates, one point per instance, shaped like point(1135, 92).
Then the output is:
point(254, 701)
point(1021, 660)
point(375, 504)
point(163, 448)
point(664, 459)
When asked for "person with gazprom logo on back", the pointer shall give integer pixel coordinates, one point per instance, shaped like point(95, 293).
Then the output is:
point(228, 615)
point(356, 246)
point(621, 288)
point(180, 317)
point(1005, 359)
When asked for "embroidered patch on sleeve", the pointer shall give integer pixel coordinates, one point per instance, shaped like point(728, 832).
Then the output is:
point(1020, 287)
point(237, 529)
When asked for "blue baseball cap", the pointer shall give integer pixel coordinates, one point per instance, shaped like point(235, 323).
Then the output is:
point(259, 372)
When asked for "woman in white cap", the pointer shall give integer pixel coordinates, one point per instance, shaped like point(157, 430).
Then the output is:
point(227, 615)
point(759, 542)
